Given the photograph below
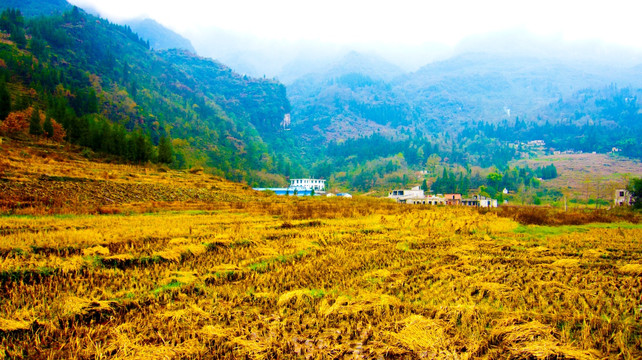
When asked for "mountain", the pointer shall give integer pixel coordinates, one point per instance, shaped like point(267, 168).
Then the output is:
point(349, 98)
point(114, 94)
point(444, 95)
point(489, 87)
point(160, 37)
point(371, 65)
point(32, 8)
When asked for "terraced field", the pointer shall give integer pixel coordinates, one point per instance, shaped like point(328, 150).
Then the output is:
point(318, 278)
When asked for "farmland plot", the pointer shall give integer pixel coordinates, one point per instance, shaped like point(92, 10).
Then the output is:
point(318, 279)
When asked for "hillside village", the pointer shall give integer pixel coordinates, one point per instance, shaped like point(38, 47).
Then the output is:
point(417, 196)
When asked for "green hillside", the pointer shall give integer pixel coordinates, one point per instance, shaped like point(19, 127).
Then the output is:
point(105, 86)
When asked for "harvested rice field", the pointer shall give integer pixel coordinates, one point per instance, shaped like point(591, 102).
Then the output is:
point(317, 278)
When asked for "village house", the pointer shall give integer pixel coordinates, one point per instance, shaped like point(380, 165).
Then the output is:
point(408, 196)
point(417, 196)
point(435, 200)
point(479, 201)
point(622, 198)
point(453, 199)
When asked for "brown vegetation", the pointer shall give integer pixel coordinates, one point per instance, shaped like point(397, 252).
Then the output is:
point(538, 215)
point(17, 124)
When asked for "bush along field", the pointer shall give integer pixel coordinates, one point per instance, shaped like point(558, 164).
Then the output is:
point(318, 278)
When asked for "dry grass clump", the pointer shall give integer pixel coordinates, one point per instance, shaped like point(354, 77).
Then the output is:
point(72, 306)
point(630, 269)
point(531, 340)
point(424, 337)
point(96, 250)
point(364, 303)
point(295, 298)
point(8, 325)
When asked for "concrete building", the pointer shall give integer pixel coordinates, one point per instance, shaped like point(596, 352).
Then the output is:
point(436, 200)
point(479, 201)
point(307, 184)
point(407, 196)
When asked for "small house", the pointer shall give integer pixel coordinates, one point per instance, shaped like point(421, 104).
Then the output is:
point(480, 201)
point(622, 198)
point(453, 199)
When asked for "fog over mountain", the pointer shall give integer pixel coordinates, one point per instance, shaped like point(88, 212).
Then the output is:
point(288, 60)
point(160, 37)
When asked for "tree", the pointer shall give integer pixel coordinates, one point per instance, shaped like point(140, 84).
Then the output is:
point(635, 188)
point(16, 123)
point(432, 163)
point(47, 127)
point(5, 101)
point(35, 128)
point(165, 150)
point(59, 132)
point(424, 186)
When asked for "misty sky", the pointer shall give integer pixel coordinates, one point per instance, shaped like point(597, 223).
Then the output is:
point(406, 22)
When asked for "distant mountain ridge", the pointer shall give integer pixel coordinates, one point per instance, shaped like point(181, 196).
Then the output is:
point(160, 37)
point(445, 95)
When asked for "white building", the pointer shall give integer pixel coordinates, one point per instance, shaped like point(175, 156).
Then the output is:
point(480, 201)
point(487, 202)
point(622, 198)
point(307, 184)
point(407, 196)
point(435, 200)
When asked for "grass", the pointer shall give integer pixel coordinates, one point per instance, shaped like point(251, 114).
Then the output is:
point(543, 231)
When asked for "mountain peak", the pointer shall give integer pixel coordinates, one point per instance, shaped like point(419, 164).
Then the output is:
point(368, 64)
point(159, 37)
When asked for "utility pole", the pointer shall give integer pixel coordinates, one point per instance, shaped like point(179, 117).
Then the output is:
point(597, 193)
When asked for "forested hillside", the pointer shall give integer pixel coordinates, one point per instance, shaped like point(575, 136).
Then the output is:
point(601, 120)
point(113, 94)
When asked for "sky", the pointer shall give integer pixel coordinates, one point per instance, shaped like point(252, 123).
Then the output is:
point(402, 22)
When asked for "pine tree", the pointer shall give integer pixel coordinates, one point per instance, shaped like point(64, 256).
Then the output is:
point(165, 150)
point(5, 101)
point(34, 123)
point(47, 127)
